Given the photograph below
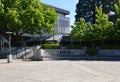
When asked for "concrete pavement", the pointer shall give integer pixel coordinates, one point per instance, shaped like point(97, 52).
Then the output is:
point(59, 71)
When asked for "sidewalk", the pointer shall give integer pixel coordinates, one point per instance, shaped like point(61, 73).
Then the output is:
point(59, 71)
point(4, 61)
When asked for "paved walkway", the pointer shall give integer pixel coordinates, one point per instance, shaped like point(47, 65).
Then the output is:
point(59, 71)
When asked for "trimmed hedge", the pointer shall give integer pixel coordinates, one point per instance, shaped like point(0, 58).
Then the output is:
point(109, 47)
point(74, 47)
point(91, 51)
point(51, 46)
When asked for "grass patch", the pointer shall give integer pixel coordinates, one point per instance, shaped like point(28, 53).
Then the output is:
point(5, 45)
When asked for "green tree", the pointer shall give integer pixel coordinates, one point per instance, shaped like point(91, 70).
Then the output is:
point(103, 27)
point(117, 23)
point(86, 8)
point(50, 17)
point(31, 16)
point(9, 16)
point(77, 29)
point(117, 7)
point(117, 30)
point(101, 30)
point(83, 31)
point(26, 16)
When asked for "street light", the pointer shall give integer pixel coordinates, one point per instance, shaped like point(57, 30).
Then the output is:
point(9, 57)
point(53, 35)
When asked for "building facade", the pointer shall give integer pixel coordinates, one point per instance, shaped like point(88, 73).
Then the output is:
point(63, 22)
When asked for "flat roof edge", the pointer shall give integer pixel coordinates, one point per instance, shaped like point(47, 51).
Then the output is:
point(66, 12)
point(60, 10)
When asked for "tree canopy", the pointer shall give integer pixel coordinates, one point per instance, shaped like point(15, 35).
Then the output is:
point(86, 8)
point(50, 17)
point(101, 30)
point(26, 16)
point(9, 16)
point(103, 27)
point(117, 7)
point(117, 23)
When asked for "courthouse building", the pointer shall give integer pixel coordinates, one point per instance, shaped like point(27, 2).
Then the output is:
point(63, 22)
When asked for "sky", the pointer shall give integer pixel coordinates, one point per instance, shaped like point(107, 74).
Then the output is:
point(69, 5)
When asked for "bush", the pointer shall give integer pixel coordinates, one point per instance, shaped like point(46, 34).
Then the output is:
point(91, 51)
point(74, 46)
point(6, 45)
point(50, 46)
point(110, 47)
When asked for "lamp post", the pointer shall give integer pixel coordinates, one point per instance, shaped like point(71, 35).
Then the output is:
point(9, 57)
point(53, 35)
point(1, 45)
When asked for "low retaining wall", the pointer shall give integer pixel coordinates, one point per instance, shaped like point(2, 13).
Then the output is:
point(63, 53)
point(109, 54)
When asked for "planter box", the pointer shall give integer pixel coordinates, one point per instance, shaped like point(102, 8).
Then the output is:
point(109, 52)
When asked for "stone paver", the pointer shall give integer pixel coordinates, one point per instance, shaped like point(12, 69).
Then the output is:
point(59, 71)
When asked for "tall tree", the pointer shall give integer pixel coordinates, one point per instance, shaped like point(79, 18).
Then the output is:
point(50, 17)
point(83, 31)
point(86, 8)
point(9, 16)
point(101, 30)
point(117, 7)
point(26, 16)
point(117, 23)
point(103, 27)
point(78, 29)
point(31, 16)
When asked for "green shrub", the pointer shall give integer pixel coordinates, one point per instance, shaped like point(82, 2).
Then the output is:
point(91, 51)
point(74, 46)
point(6, 45)
point(110, 47)
point(51, 46)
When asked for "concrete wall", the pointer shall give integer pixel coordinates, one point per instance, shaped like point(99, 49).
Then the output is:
point(62, 53)
point(109, 52)
point(47, 54)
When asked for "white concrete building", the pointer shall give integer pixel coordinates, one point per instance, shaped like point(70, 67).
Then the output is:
point(63, 22)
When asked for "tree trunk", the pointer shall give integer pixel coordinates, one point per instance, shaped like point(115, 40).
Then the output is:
point(93, 44)
point(102, 42)
point(80, 42)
